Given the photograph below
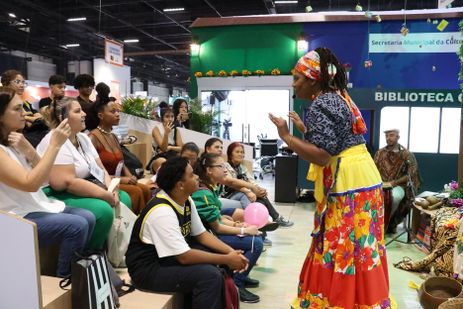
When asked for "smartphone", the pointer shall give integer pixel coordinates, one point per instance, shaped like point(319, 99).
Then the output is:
point(64, 113)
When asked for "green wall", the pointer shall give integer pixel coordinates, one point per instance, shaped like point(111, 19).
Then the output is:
point(255, 47)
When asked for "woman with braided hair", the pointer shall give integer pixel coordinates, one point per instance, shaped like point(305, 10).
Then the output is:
point(346, 265)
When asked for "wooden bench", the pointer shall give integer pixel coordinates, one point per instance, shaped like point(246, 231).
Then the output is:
point(22, 286)
point(53, 297)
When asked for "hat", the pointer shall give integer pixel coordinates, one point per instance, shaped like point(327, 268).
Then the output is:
point(391, 130)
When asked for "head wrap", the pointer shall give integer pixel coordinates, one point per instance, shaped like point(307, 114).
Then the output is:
point(309, 65)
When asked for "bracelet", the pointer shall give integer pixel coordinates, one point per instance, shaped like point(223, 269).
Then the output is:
point(290, 140)
point(242, 231)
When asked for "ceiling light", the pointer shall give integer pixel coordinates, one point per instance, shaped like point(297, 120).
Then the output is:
point(72, 45)
point(302, 44)
point(173, 9)
point(195, 46)
point(131, 41)
point(285, 1)
point(77, 19)
point(12, 15)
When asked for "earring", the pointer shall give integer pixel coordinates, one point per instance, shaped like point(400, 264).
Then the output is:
point(312, 97)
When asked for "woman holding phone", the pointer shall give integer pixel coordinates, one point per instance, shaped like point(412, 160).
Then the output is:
point(78, 176)
point(181, 114)
point(23, 172)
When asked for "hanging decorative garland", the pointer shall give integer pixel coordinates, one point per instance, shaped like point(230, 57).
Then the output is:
point(460, 54)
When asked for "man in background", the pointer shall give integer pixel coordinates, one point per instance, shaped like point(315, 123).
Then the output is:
point(85, 83)
point(57, 84)
point(395, 163)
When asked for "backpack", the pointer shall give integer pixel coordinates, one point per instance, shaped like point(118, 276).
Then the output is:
point(231, 297)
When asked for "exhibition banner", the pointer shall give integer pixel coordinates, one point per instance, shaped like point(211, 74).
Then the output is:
point(427, 42)
point(114, 52)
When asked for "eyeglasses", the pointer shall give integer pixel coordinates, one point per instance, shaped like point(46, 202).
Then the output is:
point(223, 166)
point(20, 82)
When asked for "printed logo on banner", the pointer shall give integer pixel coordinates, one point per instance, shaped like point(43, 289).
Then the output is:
point(114, 53)
point(429, 42)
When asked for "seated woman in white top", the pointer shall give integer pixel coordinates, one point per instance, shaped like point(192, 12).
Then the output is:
point(167, 140)
point(78, 176)
point(22, 173)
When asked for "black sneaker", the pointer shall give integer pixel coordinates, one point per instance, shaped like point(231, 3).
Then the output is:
point(251, 283)
point(269, 227)
point(284, 222)
point(248, 297)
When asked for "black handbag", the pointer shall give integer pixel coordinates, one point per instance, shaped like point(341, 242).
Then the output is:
point(132, 163)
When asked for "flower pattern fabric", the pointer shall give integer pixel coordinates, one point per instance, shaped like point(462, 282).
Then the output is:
point(351, 248)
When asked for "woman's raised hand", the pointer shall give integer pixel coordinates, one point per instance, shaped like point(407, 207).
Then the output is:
point(297, 121)
point(281, 124)
point(20, 143)
point(60, 133)
point(168, 127)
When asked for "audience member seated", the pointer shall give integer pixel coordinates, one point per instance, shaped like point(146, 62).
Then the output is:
point(78, 177)
point(181, 114)
point(215, 145)
point(394, 163)
point(167, 140)
point(157, 163)
point(57, 85)
point(110, 152)
point(170, 251)
point(211, 170)
point(35, 128)
point(85, 83)
point(236, 169)
point(23, 172)
point(155, 113)
point(190, 151)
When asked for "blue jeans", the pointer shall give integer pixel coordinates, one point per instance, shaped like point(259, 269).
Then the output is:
point(71, 230)
point(245, 244)
point(230, 204)
point(241, 197)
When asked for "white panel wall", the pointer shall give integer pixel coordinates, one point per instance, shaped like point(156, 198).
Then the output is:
point(161, 93)
point(80, 67)
point(137, 86)
point(105, 72)
point(40, 71)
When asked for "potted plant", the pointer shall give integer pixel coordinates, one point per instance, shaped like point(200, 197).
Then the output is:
point(137, 106)
point(201, 121)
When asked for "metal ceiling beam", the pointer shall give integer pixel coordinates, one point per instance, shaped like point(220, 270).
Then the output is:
point(133, 27)
point(167, 16)
point(159, 24)
point(212, 7)
point(158, 52)
point(270, 6)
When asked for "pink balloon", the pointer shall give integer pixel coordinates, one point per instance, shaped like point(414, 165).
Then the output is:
point(256, 214)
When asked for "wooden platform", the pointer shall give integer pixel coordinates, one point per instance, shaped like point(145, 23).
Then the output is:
point(53, 297)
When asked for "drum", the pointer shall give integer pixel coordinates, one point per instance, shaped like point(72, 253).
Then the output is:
point(387, 198)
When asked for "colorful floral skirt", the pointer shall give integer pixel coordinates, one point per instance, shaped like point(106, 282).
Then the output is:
point(346, 265)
